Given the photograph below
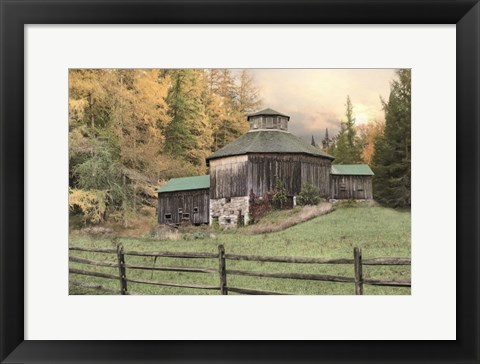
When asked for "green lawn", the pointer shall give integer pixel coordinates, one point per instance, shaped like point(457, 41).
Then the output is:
point(380, 232)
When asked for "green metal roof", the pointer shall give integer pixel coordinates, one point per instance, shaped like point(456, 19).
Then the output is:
point(352, 169)
point(186, 183)
point(268, 141)
point(267, 112)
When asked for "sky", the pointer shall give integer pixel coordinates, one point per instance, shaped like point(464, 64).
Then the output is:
point(315, 98)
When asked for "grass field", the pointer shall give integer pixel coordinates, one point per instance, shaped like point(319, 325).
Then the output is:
point(380, 232)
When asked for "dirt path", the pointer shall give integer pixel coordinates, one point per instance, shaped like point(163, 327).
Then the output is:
point(306, 213)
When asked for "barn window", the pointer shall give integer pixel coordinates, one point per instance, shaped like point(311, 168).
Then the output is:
point(195, 210)
point(180, 211)
point(360, 187)
point(269, 123)
point(228, 220)
point(343, 186)
point(276, 123)
point(168, 216)
point(186, 216)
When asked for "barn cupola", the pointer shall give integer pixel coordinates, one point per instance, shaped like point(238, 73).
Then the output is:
point(268, 119)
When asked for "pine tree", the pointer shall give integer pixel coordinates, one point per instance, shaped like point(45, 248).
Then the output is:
point(327, 142)
point(228, 100)
point(347, 149)
point(392, 156)
point(189, 134)
point(313, 141)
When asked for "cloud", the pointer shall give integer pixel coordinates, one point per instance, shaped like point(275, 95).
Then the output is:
point(315, 98)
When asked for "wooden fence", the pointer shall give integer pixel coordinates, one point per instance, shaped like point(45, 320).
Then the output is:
point(222, 271)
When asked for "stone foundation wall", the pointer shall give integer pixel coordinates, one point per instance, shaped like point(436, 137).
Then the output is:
point(228, 212)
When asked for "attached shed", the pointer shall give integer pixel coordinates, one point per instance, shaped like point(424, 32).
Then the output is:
point(351, 181)
point(184, 200)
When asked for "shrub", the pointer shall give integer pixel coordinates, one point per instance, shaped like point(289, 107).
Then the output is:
point(279, 198)
point(309, 195)
point(91, 204)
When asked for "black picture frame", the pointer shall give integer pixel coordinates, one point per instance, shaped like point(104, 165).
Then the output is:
point(15, 14)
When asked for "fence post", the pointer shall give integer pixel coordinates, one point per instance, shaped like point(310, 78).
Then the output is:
point(222, 271)
point(357, 258)
point(121, 269)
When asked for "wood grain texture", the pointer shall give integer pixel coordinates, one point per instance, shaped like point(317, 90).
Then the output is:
point(357, 257)
point(351, 187)
point(92, 262)
point(188, 202)
point(171, 284)
point(92, 274)
point(300, 276)
point(254, 291)
point(279, 259)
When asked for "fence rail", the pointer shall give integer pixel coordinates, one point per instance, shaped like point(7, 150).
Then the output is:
point(223, 272)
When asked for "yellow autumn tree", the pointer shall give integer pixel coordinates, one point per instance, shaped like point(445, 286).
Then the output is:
point(368, 132)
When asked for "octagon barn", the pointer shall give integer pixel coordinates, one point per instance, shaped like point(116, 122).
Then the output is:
point(252, 163)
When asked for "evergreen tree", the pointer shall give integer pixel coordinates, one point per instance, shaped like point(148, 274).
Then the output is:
point(313, 141)
point(327, 142)
point(228, 100)
point(189, 134)
point(347, 149)
point(392, 155)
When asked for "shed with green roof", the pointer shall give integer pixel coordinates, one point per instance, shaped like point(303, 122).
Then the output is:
point(351, 181)
point(184, 201)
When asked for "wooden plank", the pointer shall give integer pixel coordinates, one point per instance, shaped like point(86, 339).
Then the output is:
point(387, 282)
point(94, 250)
point(357, 256)
point(92, 274)
point(171, 284)
point(222, 270)
point(173, 269)
point(300, 276)
point(92, 262)
point(122, 272)
point(171, 254)
point(94, 286)
point(387, 261)
point(305, 260)
point(253, 291)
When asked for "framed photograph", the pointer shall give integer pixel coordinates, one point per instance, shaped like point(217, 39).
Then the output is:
point(257, 103)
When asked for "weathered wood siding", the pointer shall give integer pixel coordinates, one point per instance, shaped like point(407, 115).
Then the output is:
point(316, 171)
point(171, 202)
point(294, 170)
point(228, 177)
point(351, 187)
